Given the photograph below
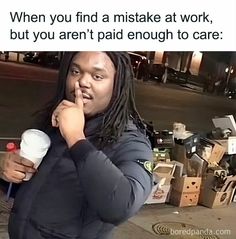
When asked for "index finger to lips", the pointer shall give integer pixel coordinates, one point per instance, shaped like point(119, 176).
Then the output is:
point(78, 95)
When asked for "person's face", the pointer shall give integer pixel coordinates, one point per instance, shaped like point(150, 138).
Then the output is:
point(95, 73)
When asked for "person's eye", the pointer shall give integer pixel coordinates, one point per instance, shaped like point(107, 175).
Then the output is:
point(75, 71)
point(98, 77)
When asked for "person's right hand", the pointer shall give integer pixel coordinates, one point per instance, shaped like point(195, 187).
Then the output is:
point(69, 118)
point(14, 167)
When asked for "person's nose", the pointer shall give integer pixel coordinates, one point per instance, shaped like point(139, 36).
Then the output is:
point(84, 81)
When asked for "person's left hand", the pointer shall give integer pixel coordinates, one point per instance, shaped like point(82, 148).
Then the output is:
point(69, 117)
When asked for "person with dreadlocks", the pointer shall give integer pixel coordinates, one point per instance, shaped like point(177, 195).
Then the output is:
point(97, 172)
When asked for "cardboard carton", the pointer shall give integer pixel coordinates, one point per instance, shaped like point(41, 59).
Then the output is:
point(217, 152)
point(212, 198)
point(178, 169)
point(187, 184)
point(229, 144)
point(159, 194)
point(183, 199)
point(197, 166)
point(165, 171)
point(185, 191)
point(180, 155)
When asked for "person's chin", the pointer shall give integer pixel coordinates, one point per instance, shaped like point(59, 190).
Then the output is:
point(87, 112)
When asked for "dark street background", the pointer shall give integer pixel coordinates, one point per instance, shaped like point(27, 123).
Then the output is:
point(26, 88)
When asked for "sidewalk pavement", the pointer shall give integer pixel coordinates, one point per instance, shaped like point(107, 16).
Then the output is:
point(163, 221)
point(181, 86)
point(189, 86)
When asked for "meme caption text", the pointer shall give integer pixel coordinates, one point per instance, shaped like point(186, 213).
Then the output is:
point(101, 27)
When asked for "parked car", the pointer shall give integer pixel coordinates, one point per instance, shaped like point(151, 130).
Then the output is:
point(31, 57)
point(49, 59)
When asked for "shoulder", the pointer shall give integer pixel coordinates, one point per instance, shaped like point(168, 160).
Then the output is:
point(133, 133)
point(134, 144)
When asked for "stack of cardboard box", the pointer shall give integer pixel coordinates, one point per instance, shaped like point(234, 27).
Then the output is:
point(192, 169)
point(218, 186)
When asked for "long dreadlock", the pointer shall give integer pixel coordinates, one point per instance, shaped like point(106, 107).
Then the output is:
point(122, 105)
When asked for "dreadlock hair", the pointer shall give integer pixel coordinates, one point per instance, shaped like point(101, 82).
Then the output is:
point(121, 107)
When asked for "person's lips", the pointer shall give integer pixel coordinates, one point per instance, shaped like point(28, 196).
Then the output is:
point(86, 96)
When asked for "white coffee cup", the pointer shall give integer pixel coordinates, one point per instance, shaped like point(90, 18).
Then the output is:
point(34, 146)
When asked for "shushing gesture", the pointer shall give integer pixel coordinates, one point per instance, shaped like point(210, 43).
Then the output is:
point(69, 118)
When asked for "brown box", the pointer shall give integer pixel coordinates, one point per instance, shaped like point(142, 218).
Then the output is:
point(211, 198)
point(180, 155)
point(159, 194)
point(217, 152)
point(183, 199)
point(163, 171)
point(187, 184)
point(229, 144)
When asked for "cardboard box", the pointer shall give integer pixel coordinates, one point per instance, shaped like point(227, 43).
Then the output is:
point(183, 199)
point(187, 184)
point(217, 152)
point(229, 144)
point(197, 166)
point(212, 198)
point(163, 170)
point(159, 194)
point(178, 169)
point(180, 155)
